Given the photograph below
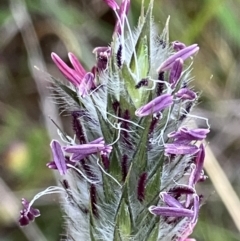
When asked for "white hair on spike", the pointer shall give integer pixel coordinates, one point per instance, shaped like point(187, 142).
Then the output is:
point(134, 51)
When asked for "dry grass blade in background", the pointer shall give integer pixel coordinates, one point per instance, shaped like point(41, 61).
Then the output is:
point(24, 23)
point(223, 186)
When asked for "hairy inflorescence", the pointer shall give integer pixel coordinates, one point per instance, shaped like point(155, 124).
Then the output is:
point(130, 171)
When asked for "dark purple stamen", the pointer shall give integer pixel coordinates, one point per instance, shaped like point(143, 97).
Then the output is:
point(93, 197)
point(28, 213)
point(172, 157)
point(143, 82)
point(77, 127)
point(88, 170)
point(151, 129)
point(163, 43)
point(105, 161)
point(125, 125)
point(116, 108)
point(65, 184)
point(184, 85)
point(70, 196)
point(141, 186)
point(124, 167)
point(102, 62)
point(161, 76)
point(160, 86)
point(119, 56)
point(182, 189)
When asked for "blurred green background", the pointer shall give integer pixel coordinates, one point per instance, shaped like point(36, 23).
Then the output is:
point(31, 29)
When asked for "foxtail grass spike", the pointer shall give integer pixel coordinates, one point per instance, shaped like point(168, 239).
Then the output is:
point(130, 171)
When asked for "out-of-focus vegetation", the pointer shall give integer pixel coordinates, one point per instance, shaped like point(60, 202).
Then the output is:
point(78, 26)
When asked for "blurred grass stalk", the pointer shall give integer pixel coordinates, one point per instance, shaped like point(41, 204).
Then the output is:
point(35, 58)
point(223, 186)
point(25, 26)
